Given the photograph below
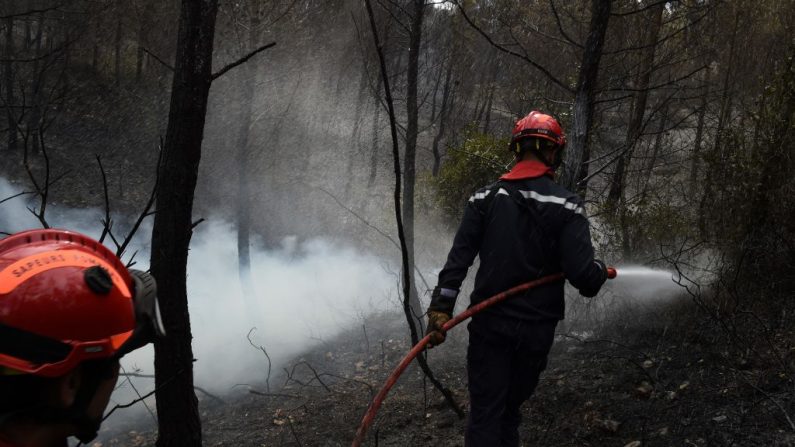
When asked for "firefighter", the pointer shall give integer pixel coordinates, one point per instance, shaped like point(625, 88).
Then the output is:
point(69, 310)
point(523, 227)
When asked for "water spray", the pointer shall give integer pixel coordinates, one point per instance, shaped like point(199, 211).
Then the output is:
point(369, 416)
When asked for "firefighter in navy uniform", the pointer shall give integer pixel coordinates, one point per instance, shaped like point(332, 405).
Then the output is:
point(69, 310)
point(523, 227)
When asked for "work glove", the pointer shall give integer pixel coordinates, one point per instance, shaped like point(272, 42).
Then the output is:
point(600, 278)
point(436, 320)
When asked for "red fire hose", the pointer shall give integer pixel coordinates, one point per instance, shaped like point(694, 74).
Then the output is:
point(367, 420)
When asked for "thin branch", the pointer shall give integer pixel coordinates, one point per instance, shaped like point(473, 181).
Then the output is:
point(42, 192)
point(398, 217)
point(654, 87)
point(240, 61)
point(106, 223)
point(197, 388)
point(662, 39)
point(31, 12)
point(209, 394)
point(376, 229)
point(314, 372)
point(146, 211)
point(132, 385)
point(292, 430)
point(560, 26)
point(488, 38)
point(19, 194)
point(154, 56)
point(267, 356)
point(772, 399)
point(43, 56)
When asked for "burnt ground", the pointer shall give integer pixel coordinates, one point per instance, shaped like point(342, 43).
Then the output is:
point(640, 384)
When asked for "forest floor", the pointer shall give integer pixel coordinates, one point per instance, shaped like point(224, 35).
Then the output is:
point(669, 385)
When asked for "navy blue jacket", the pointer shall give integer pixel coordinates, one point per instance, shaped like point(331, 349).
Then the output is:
point(522, 230)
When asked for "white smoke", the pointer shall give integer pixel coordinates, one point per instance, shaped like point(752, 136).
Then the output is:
point(301, 294)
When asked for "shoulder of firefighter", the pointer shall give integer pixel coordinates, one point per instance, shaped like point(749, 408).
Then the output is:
point(522, 230)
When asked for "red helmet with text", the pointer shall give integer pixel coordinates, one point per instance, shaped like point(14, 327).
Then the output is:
point(66, 298)
point(537, 125)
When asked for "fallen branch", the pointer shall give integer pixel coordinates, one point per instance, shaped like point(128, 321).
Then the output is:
point(260, 393)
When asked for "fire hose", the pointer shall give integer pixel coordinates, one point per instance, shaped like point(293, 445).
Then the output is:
point(369, 416)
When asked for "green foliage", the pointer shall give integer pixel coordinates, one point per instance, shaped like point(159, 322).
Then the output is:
point(479, 160)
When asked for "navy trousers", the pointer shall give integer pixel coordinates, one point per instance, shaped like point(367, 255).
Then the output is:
point(504, 360)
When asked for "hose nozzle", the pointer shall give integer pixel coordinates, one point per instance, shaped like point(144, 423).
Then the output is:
point(611, 272)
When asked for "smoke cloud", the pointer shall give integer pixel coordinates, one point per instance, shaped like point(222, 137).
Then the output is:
point(301, 294)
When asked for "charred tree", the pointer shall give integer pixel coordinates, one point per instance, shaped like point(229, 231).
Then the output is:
point(412, 131)
point(638, 110)
point(144, 19)
point(33, 125)
point(406, 271)
point(444, 113)
point(117, 54)
point(724, 115)
point(8, 82)
point(376, 131)
point(699, 137)
point(243, 150)
point(578, 152)
point(177, 406)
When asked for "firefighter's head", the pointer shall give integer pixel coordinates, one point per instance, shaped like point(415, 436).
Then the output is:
point(69, 309)
point(540, 136)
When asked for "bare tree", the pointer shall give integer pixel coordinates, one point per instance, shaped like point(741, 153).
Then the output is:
point(410, 150)
point(177, 406)
point(652, 31)
point(578, 151)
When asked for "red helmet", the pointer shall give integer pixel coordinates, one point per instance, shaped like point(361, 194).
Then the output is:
point(537, 125)
point(66, 298)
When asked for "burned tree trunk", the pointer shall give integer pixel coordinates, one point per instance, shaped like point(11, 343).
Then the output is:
point(578, 152)
point(412, 130)
point(117, 55)
point(404, 248)
point(177, 406)
point(8, 81)
point(144, 21)
point(243, 150)
point(699, 137)
point(33, 125)
point(444, 113)
point(724, 115)
point(638, 112)
point(375, 135)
